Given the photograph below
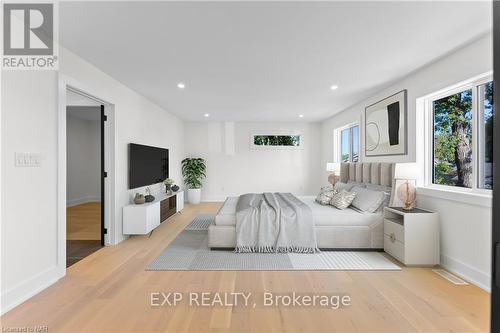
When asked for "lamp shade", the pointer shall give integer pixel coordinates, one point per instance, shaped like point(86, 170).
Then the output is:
point(333, 167)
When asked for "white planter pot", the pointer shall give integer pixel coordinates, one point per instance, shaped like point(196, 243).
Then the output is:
point(194, 195)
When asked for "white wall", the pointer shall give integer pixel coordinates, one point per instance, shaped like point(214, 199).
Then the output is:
point(465, 228)
point(29, 239)
point(83, 173)
point(250, 170)
point(465, 237)
point(29, 219)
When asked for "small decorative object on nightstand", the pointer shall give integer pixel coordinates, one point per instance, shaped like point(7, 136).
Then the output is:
point(412, 236)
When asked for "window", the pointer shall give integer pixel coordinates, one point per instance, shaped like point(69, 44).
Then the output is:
point(462, 130)
point(349, 143)
point(485, 137)
point(278, 140)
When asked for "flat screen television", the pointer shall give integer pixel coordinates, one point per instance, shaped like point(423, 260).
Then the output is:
point(147, 165)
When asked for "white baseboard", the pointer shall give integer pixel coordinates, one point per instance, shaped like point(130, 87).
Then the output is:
point(82, 200)
point(120, 238)
point(28, 288)
point(471, 274)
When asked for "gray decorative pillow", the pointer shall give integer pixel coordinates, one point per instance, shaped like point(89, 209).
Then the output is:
point(387, 192)
point(339, 186)
point(384, 203)
point(382, 188)
point(325, 195)
point(367, 200)
point(343, 199)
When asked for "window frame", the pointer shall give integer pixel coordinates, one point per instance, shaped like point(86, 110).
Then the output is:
point(337, 145)
point(472, 84)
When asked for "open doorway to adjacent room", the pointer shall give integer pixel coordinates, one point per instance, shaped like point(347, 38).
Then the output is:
point(84, 176)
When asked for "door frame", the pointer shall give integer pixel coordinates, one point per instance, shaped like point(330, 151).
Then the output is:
point(495, 267)
point(66, 83)
point(103, 173)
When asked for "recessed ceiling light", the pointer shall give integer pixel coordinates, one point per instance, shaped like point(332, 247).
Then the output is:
point(206, 115)
point(181, 85)
point(334, 87)
point(301, 116)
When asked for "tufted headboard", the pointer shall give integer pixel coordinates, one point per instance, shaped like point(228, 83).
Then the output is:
point(369, 173)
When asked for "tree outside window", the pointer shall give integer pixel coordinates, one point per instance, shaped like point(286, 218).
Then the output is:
point(277, 140)
point(486, 111)
point(453, 140)
point(453, 148)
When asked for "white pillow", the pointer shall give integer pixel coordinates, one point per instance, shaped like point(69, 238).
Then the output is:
point(367, 200)
point(325, 195)
point(343, 199)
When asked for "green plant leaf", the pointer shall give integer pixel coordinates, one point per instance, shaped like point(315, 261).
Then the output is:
point(193, 171)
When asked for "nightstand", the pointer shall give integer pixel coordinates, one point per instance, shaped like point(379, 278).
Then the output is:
point(412, 237)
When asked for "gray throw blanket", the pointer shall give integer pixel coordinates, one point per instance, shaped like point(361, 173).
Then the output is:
point(274, 222)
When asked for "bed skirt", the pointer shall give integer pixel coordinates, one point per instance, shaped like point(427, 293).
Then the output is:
point(328, 237)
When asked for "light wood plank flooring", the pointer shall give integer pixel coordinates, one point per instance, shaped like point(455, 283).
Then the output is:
point(76, 250)
point(84, 221)
point(109, 291)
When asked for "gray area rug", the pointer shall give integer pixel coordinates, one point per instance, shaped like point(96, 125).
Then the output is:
point(201, 222)
point(190, 251)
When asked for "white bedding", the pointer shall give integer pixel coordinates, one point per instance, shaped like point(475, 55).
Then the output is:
point(322, 215)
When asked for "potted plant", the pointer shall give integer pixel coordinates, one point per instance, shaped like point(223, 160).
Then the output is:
point(193, 171)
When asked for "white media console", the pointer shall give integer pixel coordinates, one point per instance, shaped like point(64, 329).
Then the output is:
point(144, 218)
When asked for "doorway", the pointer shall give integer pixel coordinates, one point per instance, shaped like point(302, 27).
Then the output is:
point(85, 205)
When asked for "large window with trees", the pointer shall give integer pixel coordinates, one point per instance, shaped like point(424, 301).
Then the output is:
point(462, 129)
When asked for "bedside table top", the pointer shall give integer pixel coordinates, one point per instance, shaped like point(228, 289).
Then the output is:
point(413, 211)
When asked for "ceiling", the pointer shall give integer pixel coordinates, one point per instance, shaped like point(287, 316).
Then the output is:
point(258, 61)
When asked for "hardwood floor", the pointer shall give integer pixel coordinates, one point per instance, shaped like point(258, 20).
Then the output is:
point(110, 291)
point(76, 250)
point(84, 221)
point(83, 231)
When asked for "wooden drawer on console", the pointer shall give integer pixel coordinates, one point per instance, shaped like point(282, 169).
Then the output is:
point(168, 207)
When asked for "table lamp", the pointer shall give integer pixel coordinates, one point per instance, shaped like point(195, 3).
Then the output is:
point(334, 168)
point(407, 193)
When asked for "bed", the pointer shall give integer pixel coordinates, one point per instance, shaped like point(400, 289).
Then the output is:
point(334, 228)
